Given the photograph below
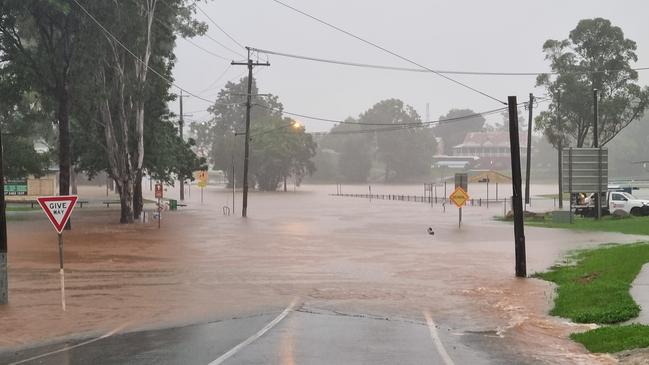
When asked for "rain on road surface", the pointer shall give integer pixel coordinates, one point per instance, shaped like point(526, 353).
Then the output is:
point(372, 286)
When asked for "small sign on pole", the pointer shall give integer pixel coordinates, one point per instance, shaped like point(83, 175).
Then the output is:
point(158, 191)
point(58, 209)
point(202, 177)
point(158, 195)
point(459, 197)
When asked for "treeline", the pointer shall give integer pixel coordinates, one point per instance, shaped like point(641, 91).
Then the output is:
point(90, 81)
point(280, 148)
point(388, 141)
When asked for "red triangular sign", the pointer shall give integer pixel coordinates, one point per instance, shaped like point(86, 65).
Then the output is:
point(58, 209)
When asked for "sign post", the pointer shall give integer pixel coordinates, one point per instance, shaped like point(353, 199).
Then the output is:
point(58, 209)
point(158, 195)
point(202, 177)
point(459, 197)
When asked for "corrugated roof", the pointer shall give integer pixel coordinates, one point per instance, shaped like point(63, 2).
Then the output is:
point(490, 139)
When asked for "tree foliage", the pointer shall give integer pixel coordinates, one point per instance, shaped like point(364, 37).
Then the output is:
point(276, 153)
point(39, 39)
point(405, 152)
point(350, 153)
point(596, 55)
point(280, 149)
point(23, 122)
point(454, 130)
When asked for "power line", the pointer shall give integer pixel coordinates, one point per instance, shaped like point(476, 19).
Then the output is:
point(407, 69)
point(396, 126)
point(207, 50)
point(389, 51)
point(338, 121)
point(162, 77)
point(161, 23)
point(210, 37)
point(213, 84)
point(219, 27)
point(223, 45)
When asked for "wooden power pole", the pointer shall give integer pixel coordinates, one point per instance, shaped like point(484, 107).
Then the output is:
point(181, 127)
point(517, 199)
point(528, 165)
point(4, 272)
point(246, 158)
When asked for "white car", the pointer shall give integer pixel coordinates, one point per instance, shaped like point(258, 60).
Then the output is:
point(624, 201)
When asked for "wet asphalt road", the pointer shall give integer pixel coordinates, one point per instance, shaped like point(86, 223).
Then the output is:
point(303, 336)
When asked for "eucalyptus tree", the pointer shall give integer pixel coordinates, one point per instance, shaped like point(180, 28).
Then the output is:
point(129, 60)
point(596, 55)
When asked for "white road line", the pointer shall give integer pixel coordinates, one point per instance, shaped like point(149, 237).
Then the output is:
point(67, 348)
point(436, 340)
point(254, 337)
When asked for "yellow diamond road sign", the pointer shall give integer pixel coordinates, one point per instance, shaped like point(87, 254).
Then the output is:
point(459, 197)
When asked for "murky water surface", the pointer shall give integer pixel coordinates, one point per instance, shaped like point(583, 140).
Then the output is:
point(345, 254)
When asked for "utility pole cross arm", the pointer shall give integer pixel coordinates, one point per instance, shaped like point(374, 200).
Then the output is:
point(246, 159)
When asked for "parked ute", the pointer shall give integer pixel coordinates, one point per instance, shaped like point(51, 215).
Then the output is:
point(615, 200)
point(618, 200)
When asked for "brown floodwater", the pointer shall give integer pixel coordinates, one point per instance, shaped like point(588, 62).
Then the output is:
point(344, 254)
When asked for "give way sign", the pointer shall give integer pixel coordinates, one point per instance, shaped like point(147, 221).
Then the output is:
point(58, 209)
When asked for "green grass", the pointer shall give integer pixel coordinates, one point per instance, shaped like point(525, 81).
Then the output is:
point(593, 287)
point(614, 338)
point(630, 225)
point(596, 288)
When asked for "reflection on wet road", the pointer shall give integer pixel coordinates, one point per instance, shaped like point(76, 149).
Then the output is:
point(298, 335)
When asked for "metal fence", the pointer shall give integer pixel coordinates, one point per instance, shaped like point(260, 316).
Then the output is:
point(478, 202)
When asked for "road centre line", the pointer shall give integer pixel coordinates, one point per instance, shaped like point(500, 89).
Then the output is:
point(254, 337)
point(436, 340)
point(67, 348)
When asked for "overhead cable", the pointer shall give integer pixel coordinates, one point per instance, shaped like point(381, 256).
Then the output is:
point(388, 51)
point(219, 27)
point(162, 77)
point(420, 70)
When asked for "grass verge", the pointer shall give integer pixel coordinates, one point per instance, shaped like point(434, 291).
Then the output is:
point(630, 225)
point(614, 338)
point(595, 289)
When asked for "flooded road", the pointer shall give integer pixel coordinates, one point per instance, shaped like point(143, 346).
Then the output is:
point(338, 255)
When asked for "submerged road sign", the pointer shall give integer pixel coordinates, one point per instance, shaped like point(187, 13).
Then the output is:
point(158, 191)
point(58, 209)
point(202, 178)
point(459, 197)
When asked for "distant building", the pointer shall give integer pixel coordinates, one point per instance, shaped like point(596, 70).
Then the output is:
point(491, 148)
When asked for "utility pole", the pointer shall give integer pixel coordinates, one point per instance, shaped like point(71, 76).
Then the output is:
point(234, 185)
point(4, 288)
point(181, 125)
point(528, 167)
point(517, 199)
point(246, 158)
point(559, 149)
point(596, 145)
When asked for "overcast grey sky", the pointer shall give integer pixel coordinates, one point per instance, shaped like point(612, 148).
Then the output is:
point(498, 35)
